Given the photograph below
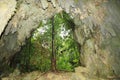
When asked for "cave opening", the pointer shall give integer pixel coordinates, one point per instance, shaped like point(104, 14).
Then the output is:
point(52, 46)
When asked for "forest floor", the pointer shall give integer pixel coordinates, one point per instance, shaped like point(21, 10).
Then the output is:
point(79, 74)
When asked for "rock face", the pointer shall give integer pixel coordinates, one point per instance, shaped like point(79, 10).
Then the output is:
point(27, 17)
point(7, 8)
point(96, 30)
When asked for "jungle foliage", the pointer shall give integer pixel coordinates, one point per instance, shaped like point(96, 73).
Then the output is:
point(36, 54)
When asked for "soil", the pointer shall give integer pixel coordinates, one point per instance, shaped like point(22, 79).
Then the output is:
point(80, 73)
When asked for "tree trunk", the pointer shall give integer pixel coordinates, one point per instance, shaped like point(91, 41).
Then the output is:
point(53, 55)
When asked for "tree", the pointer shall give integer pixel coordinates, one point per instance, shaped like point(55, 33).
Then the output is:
point(52, 46)
point(53, 55)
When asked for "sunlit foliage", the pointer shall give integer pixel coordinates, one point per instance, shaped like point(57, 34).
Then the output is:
point(36, 54)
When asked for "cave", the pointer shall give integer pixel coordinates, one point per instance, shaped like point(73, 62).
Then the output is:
point(37, 53)
point(96, 31)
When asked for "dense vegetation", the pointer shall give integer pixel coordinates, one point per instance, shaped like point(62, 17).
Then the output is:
point(36, 54)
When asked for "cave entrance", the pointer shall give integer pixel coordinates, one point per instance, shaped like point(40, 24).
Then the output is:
point(51, 46)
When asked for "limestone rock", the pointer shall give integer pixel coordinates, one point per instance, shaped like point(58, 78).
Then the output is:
point(97, 30)
point(66, 4)
point(96, 33)
point(27, 17)
point(54, 3)
point(44, 4)
point(7, 8)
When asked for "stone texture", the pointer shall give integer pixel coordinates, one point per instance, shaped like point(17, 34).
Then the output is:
point(66, 4)
point(7, 8)
point(27, 17)
point(54, 3)
point(44, 4)
point(97, 30)
point(98, 34)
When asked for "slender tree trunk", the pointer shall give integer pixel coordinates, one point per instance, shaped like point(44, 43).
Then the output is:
point(53, 55)
point(28, 62)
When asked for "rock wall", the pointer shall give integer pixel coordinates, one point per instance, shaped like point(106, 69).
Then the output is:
point(96, 30)
point(27, 17)
point(6, 6)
